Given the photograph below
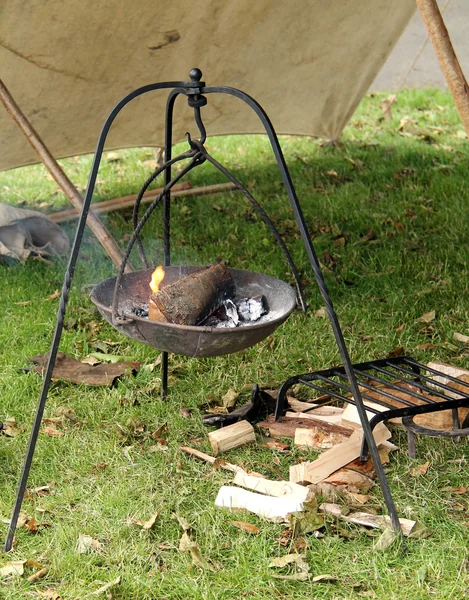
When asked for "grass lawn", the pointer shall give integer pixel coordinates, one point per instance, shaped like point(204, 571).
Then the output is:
point(387, 209)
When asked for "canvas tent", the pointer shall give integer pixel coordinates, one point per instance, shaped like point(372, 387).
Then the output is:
point(307, 62)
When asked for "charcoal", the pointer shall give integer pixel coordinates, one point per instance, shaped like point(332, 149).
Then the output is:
point(141, 311)
point(225, 316)
point(252, 309)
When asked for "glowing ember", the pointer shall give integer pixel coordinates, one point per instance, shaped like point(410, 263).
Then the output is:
point(156, 278)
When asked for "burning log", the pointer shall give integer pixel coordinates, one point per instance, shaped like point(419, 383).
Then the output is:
point(190, 299)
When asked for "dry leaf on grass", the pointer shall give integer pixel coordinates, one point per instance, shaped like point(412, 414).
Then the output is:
point(455, 490)
point(386, 539)
point(188, 545)
point(297, 561)
point(38, 574)
point(68, 413)
point(87, 544)
point(459, 337)
point(321, 313)
point(13, 568)
point(145, 525)
point(53, 296)
point(49, 594)
point(72, 370)
point(420, 469)
point(246, 527)
point(10, 427)
point(427, 317)
point(229, 399)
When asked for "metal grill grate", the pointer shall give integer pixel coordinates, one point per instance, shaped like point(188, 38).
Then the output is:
point(395, 387)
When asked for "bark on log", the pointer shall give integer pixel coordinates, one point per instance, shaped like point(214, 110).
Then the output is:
point(190, 299)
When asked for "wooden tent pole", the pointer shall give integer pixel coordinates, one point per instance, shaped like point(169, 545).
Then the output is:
point(447, 57)
point(101, 233)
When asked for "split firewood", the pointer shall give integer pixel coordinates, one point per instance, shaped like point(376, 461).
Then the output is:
point(437, 420)
point(458, 373)
point(316, 438)
point(232, 436)
point(286, 426)
point(335, 458)
point(366, 519)
point(190, 299)
point(331, 417)
point(272, 488)
point(343, 483)
point(269, 507)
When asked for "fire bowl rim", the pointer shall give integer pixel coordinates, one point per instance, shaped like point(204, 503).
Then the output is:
point(203, 328)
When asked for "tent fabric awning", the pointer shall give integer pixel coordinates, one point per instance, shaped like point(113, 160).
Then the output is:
point(67, 64)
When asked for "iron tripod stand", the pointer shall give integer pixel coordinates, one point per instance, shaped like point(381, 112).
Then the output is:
point(195, 91)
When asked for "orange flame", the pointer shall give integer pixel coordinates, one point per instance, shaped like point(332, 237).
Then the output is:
point(156, 278)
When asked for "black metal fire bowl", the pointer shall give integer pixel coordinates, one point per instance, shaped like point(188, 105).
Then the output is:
point(195, 341)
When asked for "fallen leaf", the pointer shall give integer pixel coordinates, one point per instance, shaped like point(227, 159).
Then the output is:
point(276, 445)
point(107, 586)
point(68, 413)
point(459, 337)
point(306, 521)
point(455, 490)
point(217, 410)
point(420, 469)
point(31, 525)
point(321, 313)
point(246, 527)
point(427, 317)
point(53, 296)
point(398, 351)
point(86, 544)
point(52, 431)
point(401, 328)
point(324, 578)
point(10, 427)
point(90, 360)
point(229, 399)
point(38, 574)
point(186, 412)
point(427, 346)
point(146, 525)
point(297, 559)
point(386, 539)
point(340, 242)
point(188, 545)
point(113, 156)
point(49, 594)
point(70, 369)
point(12, 568)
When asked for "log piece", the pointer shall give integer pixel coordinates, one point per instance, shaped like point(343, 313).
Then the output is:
point(286, 426)
point(335, 458)
point(190, 299)
point(232, 436)
point(272, 488)
point(272, 508)
point(315, 438)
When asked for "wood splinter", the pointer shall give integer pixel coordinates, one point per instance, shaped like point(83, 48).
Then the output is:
point(190, 299)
